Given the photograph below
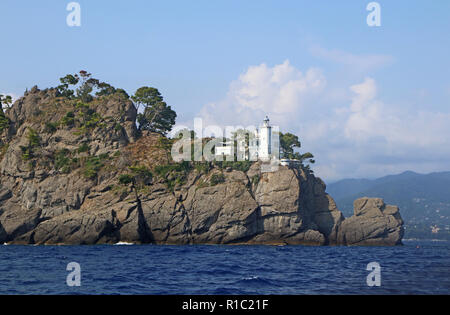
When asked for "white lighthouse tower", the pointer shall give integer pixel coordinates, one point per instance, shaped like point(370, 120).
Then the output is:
point(268, 143)
point(265, 141)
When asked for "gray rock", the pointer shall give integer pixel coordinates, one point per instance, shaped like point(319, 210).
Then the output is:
point(373, 223)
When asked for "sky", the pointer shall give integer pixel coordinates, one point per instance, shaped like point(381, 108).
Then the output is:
point(366, 101)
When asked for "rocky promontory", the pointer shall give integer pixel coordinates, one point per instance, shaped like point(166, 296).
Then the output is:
point(81, 173)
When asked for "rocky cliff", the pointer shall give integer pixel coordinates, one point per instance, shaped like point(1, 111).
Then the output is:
point(62, 165)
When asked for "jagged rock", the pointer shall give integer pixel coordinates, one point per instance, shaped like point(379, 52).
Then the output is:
point(17, 220)
point(223, 213)
point(373, 223)
point(84, 228)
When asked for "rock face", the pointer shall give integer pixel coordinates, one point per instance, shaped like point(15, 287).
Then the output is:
point(53, 197)
point(373, 223)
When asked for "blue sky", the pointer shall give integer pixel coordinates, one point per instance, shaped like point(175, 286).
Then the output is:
point(356, 95)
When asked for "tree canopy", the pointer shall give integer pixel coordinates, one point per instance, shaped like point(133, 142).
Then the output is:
point(5, 101)
point(84, 85)
point(288, 143)
point(157, 115)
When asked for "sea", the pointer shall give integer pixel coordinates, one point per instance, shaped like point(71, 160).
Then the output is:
point(417, 267)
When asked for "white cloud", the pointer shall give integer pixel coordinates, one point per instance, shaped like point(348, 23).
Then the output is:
point(278, 91)
point(358, 136)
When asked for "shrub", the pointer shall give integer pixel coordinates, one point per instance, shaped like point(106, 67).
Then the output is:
point(4, 121)
point(33, 141)
point(27, 153)
point(93, 165)
point(142, 175)
point(63, 161)
point(51, 127)
point(217, 179)
point(118, 127)
point(68, 119)
point(125, 179)
point(203, 167)
point(242, 166)
point(33, 138)
point(83, 148)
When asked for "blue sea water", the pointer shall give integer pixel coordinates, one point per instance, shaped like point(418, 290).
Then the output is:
point(418, 267)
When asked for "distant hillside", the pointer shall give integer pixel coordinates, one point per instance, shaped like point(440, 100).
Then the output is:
point(424, 199)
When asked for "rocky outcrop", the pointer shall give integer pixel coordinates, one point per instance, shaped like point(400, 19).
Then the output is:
point(373, 223)
point(59, 185)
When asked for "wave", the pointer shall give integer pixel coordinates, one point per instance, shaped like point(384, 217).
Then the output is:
point(124, 244)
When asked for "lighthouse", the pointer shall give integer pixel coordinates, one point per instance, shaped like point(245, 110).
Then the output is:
point(265, 140)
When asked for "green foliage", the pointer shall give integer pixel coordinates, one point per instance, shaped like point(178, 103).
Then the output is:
point(217, 179)
point(5, 101)
point(117, 127)
point(142, 175)
point(65, 83)
point(51, 127)
point(163, 170)
point(84, 86)
point(83, 148)
point(242, 166)
point(4, 121)
point(68, 119)
point(27, 153)
point(126, 179)
point(139, 177)
point(305, 157)
point(288, 142)
point(185, 131)
point(85, 118)
point(158, 116)
point(202, 167)
point(122, 92)
point(93, 165)
point(255, 179)
point(33, 138)
point(63, 161)
point(105, 89)
point(33, 142)
point(173, 174)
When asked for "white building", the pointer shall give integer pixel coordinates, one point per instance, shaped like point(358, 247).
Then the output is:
point(263, 144)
